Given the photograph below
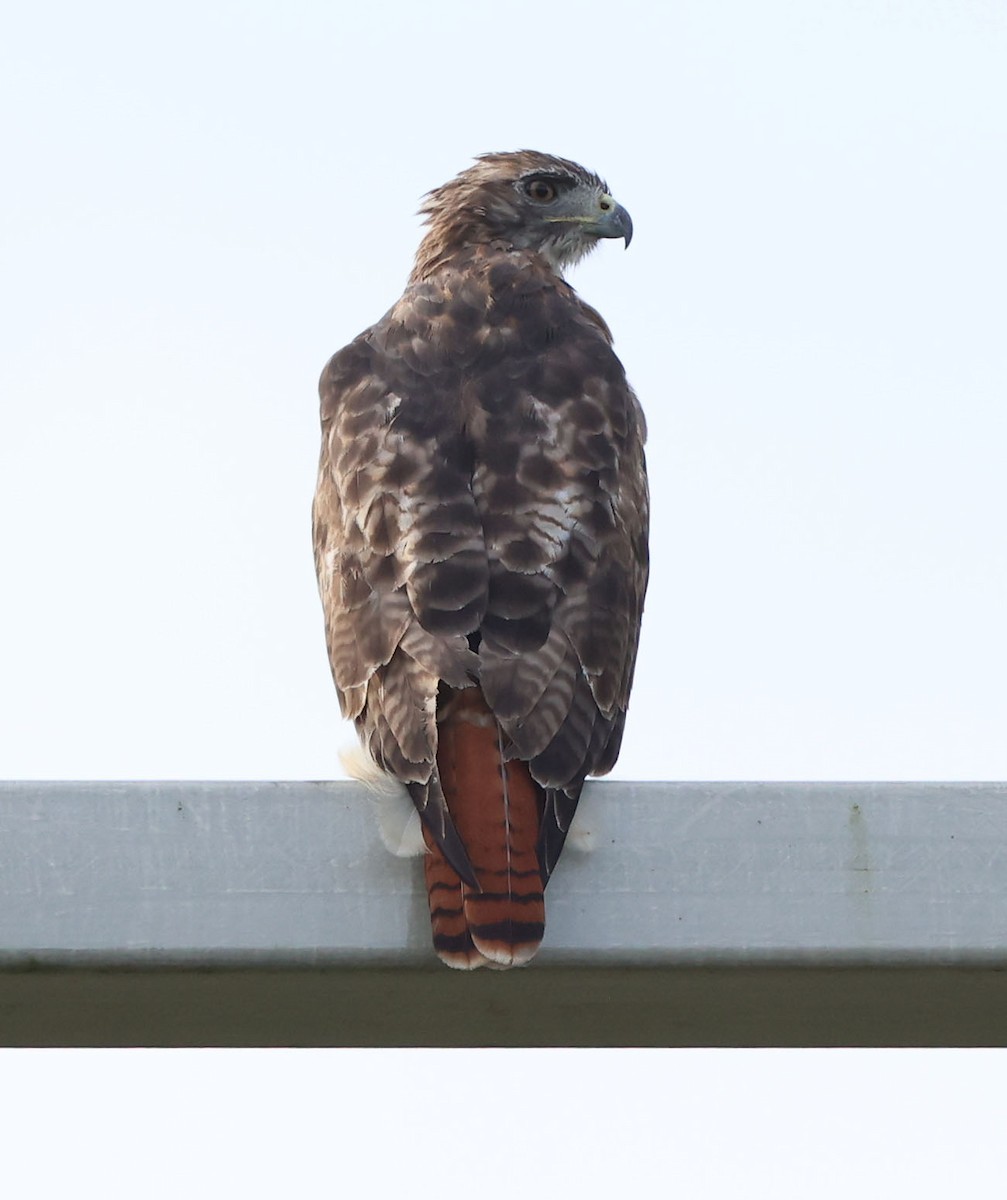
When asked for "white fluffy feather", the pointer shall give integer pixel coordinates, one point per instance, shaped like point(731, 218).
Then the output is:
point(586, 825)
point(398, 820)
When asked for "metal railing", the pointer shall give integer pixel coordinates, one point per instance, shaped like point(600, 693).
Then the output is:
point(707, 914)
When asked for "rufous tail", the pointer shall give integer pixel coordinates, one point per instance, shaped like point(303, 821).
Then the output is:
point(497, 809)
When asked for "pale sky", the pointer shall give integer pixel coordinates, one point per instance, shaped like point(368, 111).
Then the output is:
point(206, 202)
point(203, 202)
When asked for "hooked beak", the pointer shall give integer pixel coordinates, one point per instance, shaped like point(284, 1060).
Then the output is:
point(612, 222)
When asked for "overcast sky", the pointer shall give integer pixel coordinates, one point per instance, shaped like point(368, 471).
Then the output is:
point(203, 202)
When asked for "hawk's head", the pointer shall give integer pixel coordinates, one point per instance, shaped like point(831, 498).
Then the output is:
point(526, 200)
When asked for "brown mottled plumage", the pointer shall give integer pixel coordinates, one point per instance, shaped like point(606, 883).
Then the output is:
point(480, 531)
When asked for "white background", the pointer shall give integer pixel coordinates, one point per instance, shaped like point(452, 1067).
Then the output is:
point(201, 202)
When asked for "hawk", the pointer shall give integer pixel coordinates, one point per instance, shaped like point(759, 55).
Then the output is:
point(480, 536)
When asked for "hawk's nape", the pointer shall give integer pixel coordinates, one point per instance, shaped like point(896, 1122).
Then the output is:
point(480, 530)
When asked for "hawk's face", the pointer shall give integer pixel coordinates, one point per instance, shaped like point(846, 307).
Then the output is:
point(530, 201)
point(562, 213)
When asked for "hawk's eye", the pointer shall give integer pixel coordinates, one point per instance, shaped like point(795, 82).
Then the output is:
point(541, 190)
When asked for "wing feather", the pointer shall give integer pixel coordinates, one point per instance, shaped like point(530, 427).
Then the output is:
point(481, 517)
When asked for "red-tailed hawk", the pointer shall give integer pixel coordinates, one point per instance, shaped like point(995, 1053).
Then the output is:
point(480, 531)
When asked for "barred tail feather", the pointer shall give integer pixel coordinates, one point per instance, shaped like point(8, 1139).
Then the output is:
point(497, 809)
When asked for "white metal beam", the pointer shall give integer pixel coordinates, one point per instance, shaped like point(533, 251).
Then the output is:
point(731, 913)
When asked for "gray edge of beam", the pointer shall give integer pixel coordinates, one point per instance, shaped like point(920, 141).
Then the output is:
point(706, 914)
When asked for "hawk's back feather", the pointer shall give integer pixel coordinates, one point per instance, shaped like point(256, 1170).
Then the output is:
point(480, 532)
